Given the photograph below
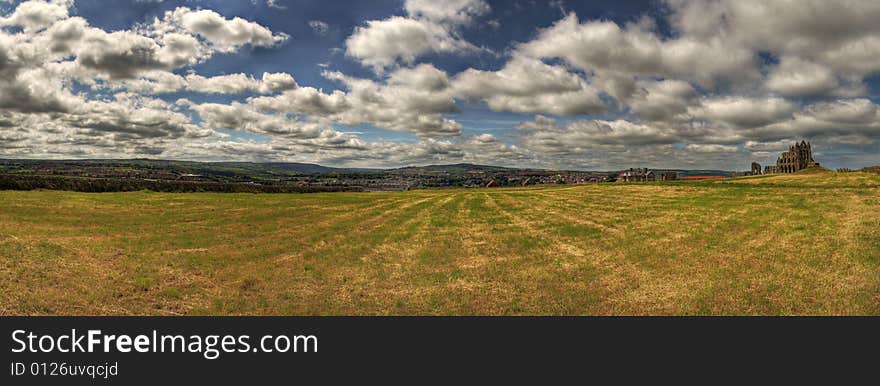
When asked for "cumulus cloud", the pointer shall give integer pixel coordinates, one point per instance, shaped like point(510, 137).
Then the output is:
point(304, 100)
point(618, 144)
point(183, 37)
point(220, 33)
point(133, 118)
point(662, 100)
point(35, 91)
point(710, 148)
point(482, 148)
point(26, 85)
point(452, 11)
point(582, 134)
point(796, 77)
point(237, 116)
point(274, 4)
point(636, 50)
point(52, 50)
point(319, 27)
point(530, 86)
point(412, 100)
point(382, 43)
point(240, 83)
point(423, 76)
point(853, 111)
point(857, 120)
point(722, 83)
point(399, 105)
point(430, 27)
point(121, 54)
point(837, 35)
point(745, 111)
point(34, 16)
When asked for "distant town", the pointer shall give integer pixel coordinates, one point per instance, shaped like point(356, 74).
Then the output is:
point(186, 176)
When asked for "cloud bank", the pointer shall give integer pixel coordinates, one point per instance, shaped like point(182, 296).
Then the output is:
point(731, 82)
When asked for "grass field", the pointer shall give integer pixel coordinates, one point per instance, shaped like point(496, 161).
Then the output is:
point(793, 244)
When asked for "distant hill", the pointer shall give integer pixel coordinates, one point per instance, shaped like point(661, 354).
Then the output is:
point(222, 168)
point(453, 168)
point(296, 167)
point(466, 167)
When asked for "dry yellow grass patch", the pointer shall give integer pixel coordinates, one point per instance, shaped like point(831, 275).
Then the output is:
point(788, 244)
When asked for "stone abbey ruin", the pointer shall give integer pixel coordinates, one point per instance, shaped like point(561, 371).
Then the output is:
point(798, 157)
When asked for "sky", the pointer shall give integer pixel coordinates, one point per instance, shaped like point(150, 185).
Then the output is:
point(598, 85)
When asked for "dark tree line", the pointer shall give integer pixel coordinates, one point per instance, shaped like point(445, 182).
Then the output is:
point(95, 185)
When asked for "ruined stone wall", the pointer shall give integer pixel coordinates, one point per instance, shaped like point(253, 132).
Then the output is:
point(756, 168)
point(798, 157)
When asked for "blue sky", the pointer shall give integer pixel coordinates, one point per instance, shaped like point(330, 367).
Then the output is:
point(558, 84)
point(307, 50)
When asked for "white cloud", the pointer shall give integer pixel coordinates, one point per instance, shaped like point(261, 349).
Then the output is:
point(430, 27)
point(544, 133)
point(840, 35)
point(274, 4)
point(423, 76)
point(39, 63)
point(319, 27)
point(449, 11)
point(635, 50)
point(661, 100)
point(382, 43)
point(530, 86)
point(133, 118)
point(240, 83)
point(238, 116)
point(796, 77)
point(850, 121)
point(221, 34)
point(711, 148)
point(303, 100)
point(34, 16)
point(120, 54)
point(853, 111)
point(402, 104)
point(619, 144)
point(413, 100)
point(35, 91)
point(744, 111)
point(723, 87)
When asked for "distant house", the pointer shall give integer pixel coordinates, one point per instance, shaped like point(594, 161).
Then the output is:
point(668, 176)
point(637, 175)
